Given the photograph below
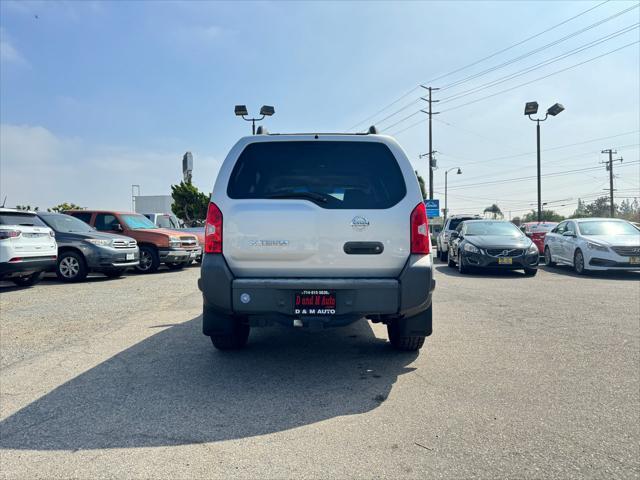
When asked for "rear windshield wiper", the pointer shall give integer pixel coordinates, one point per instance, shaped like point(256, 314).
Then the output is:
point(316, 197)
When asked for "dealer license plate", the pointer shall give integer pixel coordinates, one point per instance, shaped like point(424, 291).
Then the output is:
point(634, 260)
point(314, 302)
point(130, 256)
point(505, 261)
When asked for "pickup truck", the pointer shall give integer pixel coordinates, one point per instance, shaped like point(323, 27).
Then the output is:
point(157, 245)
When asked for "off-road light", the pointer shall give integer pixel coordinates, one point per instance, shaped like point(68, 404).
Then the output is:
point(241, 110)
point(531, 108)
point(555, 109)
point(266, 110)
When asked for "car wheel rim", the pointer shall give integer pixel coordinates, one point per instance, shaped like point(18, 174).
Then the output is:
point(547, 256)
point(69, 267)
point(145, 261)
point(579, 262)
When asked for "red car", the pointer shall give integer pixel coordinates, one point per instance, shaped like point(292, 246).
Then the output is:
point(536, 231)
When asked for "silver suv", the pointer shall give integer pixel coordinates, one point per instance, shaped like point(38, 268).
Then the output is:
point(316, 230)
point(450, 224)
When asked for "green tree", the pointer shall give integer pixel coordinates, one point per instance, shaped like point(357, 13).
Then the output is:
point(630, 210)
point(580, 210)
point(64, 207)
point(546, 215)
point(189, 203)
point(494, 211)
point(26, 207)
point(599, 208)
point(423, 189)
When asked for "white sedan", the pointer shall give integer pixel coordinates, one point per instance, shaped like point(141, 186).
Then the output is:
point(594, 244)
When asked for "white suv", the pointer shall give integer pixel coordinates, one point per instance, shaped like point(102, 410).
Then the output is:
point(27, 247)
point(316, 230)
point(442, 240)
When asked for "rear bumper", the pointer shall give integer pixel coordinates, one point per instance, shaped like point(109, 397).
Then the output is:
point(407, 295)
point(27, 266)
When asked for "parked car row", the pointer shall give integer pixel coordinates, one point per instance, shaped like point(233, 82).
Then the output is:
point(73, 245)
point(585, 244)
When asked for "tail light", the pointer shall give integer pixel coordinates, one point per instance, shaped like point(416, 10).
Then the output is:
point(420, 242)
point(213, 230)
point(4, 234)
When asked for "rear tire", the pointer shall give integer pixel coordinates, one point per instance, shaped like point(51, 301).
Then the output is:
point(407, 344)
point(149, 260)
point(235, 340)
point(71, 267)
point(450, 263)
point(548, 259)
point(28, 280)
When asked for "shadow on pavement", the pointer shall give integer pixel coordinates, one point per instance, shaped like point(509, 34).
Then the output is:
point(481, 273)
point(174, 388)
point(604, 274)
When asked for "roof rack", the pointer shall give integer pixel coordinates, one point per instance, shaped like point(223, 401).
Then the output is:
point(372, 130)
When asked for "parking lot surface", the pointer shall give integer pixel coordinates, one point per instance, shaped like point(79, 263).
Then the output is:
point(523, 377)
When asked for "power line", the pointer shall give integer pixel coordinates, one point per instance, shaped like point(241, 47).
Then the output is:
point(516, 44)
point(542, 64)
point(385, 108)
point(539, 49)
point(544, 76)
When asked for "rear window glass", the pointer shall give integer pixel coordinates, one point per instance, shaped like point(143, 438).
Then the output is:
point(25, 219)
point(335, 175)
point(454, 222)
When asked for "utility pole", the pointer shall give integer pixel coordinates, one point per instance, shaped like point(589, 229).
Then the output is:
point(609, 164)
point(430, 112)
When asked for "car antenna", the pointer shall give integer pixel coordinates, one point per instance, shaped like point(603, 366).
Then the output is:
point(4, 201)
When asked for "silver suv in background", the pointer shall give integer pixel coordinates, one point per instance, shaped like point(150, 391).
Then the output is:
point(450, 225)
point(316, 230)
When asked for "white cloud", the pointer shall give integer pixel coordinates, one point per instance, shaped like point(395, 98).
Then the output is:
point(41, 169)
point(8, 53)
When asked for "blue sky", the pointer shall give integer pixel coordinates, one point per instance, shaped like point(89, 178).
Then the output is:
point(96, 96)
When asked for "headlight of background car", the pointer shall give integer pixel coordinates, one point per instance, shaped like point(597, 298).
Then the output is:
point(174, 242)
point(471, 248)
point(595, 246)
point(100, 242)
point(532, 249)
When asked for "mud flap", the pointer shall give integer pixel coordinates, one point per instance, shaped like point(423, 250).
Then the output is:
point(416, 326)
point(215, 323)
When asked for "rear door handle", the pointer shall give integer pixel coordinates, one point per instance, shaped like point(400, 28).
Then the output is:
point(363, 248)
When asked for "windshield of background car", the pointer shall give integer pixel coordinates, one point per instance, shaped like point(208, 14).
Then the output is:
point(607, 228)
point(137, 222)
point(24, 219)
point(541, 227)
point(454, 222)
point(342, 175)
point(493, 228)
point(67, 224)
point(165, 221)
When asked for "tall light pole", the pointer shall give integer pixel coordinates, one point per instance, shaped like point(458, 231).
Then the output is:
point(446, 173)
point(265, 111)
point(531, 108)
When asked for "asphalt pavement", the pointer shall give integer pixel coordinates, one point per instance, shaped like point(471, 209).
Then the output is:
point(522, 378)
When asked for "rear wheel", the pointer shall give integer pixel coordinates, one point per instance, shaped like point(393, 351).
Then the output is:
point(548, 259)
point(234, 340)
point(149, 260)
point(27, 280)
point(71, 267)
point(450, 262)
point(406, 343)
point(578, 263)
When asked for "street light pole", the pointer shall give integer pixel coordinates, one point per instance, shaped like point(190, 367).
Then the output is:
point(531, 108)
point(446, 207)
point(265, 111)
